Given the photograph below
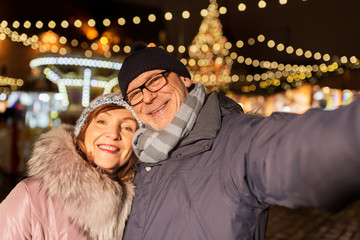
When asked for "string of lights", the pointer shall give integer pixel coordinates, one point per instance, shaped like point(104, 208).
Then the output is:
point(50, 41)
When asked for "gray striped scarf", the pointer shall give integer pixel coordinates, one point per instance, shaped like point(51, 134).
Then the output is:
point(153, 146)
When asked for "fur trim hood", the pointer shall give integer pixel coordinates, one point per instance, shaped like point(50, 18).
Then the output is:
point(99, 205)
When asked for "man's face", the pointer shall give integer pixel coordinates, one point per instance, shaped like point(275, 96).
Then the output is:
point(159, 108)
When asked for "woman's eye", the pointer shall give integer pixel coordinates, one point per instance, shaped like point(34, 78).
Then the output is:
point(127, 128)
point(100, 121)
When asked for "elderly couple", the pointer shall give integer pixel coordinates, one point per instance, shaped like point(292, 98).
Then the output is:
point(171, 161)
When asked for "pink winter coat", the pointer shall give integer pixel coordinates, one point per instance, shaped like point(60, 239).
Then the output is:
point(64, 196)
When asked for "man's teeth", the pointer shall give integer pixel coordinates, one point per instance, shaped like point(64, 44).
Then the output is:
point(158, 109)
point(110, 148)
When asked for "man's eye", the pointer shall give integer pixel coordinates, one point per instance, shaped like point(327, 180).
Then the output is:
point(154, 81)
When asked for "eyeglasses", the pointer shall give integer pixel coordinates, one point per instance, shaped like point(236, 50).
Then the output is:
point(154, 84)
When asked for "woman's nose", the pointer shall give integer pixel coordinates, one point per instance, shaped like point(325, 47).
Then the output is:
point(114, 132)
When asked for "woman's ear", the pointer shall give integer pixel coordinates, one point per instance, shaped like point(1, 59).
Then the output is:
point(186, 81)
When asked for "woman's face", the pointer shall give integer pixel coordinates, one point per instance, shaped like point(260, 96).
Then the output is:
point(108, 139)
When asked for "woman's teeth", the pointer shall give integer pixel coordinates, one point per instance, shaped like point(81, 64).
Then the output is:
point(110, 148)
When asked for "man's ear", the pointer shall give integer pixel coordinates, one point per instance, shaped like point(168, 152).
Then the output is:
point(186, 81)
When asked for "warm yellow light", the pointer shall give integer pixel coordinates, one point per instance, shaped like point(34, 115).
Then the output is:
point(64, 24)
point(107, 54)
point(353, 59)
point(78, 23)
point(204, 48)
point(106, 22)
point(88, 53)
point(262, 4)
point(249, 78)
point(228, 45)
point(289, 49)
point(39, 24)
point(204, 12)
point(74, 42)
point(136, 20)
point(4, 23)
point(91, 23)
point(152, 18)
point(251, 41)
point(240, 59)
point(62, 51)
point(299, 52)
point(23, 37)
point(242, 7)
point(255, 63)
point(326, 57)
point(239, 44)
point(104, 40)
point(222, 10)
point(127, 49)
point(94, 46)
point(170, 48)
point(271, 43)
point(261, 38)
point(317, 56)
point(27, 24)
point(216, 47)
point(248, 61)
point(308, 54)
point(181, 49)
point(282, 2)
point(52, 39)
point(121, 21)
point(91, 33)
point(168, 16)
point(54, 49)
point(52, 24)
point(16, 24)
point(184, 61)
point(116, 48)
point(343, 59)
point(192, 62)
point(280, 47)
point(186, 14)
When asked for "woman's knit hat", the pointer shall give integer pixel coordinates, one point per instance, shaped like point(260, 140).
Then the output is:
point(112, 98)
point(144, 58)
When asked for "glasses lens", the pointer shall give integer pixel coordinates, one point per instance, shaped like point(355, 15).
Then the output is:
point(135, 96)
point(153, 84)
point(156, 83)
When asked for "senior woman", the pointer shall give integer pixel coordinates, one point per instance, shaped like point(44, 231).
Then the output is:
point(79, 183)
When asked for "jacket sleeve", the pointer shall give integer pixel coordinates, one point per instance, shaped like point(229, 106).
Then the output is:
point(306, 160)
point(15, 214)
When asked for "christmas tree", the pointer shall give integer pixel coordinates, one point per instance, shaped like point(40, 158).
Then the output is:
point(212, 66)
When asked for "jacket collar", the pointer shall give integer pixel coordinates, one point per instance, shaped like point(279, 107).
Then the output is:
point(97, 204)
point(208, 122)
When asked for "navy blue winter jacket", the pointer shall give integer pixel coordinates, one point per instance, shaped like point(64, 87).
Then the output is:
point(219, 182)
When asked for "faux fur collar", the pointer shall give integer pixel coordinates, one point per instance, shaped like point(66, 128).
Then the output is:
point(97, 204)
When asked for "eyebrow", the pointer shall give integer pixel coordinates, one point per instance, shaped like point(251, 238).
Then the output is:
point(148, 77)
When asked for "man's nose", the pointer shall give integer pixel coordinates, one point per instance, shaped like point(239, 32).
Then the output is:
point(148, 96)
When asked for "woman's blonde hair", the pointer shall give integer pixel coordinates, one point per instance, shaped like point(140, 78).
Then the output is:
point(125, 172)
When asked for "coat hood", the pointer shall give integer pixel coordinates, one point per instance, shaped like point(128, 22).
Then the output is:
point(96, 203)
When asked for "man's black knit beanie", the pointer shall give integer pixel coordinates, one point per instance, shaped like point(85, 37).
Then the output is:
point(144, 58)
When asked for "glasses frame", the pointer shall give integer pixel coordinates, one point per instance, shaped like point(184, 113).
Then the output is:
point(142, 86)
